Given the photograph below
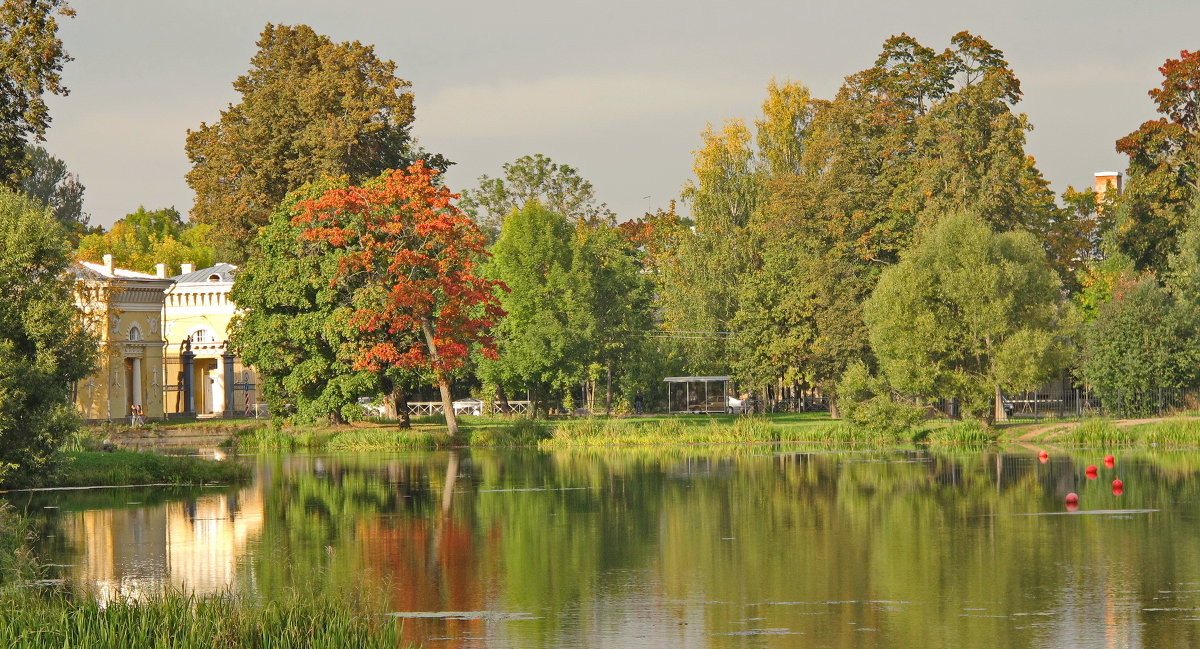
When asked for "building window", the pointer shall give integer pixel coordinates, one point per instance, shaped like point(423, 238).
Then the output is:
point(135, 333)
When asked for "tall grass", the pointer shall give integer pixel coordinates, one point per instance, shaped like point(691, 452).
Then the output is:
point(17, 562)
point(632, 432)
point(35, 620)
point(1097, 432)
point(338, 438)
point(88, 469)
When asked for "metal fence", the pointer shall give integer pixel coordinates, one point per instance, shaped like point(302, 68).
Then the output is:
point(1077, 404)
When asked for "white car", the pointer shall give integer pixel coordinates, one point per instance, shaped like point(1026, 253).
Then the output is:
point(468, 407)
point(735, 406)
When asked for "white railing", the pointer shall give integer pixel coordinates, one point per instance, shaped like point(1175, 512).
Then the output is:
point(424, 408)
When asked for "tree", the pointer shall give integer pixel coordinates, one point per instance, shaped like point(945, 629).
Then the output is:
point(45, 346)
point(309, 107)
point(49, 182)
point(31, 62)
point(1142, 340)
point(1164, 168)
point(293, 319)
point(558, 187)
point(410, 260)
point(145, 238)
point(966, 313)
point(610, 302)
point(537, 348)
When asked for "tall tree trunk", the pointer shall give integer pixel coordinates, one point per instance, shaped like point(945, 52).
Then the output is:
point(400, 403)
point(442, 380)
point(608, 392)
point(503, 398)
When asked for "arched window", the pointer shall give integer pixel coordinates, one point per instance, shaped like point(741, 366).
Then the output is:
point(203, 336)
point(135, 333)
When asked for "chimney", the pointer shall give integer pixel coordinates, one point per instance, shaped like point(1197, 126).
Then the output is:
point(160, 270)
point(187, 268)
point(108, 264)
point(1106, 180)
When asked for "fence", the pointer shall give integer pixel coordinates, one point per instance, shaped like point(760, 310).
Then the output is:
point(1077, 404)
point(425, 408)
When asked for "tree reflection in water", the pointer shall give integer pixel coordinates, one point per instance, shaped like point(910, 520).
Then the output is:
point(707, 547)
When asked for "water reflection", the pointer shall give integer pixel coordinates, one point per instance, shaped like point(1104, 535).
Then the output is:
point(716, 547)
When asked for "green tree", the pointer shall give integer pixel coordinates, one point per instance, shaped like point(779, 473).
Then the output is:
point(1142, 340)
point(45, 346)
point(293, 321)
point(611, 306)
point(309, 107)
point(558, 187)
point(49, 182)
point(145, 238)
point(31, 62)
point(966, 313)
point(537, 345)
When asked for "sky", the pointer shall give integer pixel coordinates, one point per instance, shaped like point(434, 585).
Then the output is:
point(619, 89)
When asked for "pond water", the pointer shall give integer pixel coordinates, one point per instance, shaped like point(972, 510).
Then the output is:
point(753, 546)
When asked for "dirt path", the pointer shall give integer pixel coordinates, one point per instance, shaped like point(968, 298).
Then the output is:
point(1049, 432)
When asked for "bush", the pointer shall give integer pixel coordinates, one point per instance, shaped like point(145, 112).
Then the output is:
point(868, 402)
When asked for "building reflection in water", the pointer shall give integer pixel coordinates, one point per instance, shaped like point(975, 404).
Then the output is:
point(192, 545)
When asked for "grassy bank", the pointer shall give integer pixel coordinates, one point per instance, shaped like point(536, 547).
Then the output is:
point(1174, 432)
point(97, 468)
point(428, 433)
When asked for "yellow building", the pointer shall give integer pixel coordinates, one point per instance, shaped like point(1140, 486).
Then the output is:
point(124, 308)
point(196, 315)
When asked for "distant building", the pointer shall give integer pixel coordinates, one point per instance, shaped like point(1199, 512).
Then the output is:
point(124, 308)
point(164, 344)
point(1104, 181)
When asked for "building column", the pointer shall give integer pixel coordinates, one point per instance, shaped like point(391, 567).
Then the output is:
point(136, 381)
point(227, 363)
point(189, 399)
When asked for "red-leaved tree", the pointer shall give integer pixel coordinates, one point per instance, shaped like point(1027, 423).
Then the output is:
point(411, 264)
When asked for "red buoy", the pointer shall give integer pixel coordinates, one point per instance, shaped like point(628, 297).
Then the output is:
point(1043, 456)
point(1117, 484)
point(1109, 461)
point(1072, 498)
point(1091, 472)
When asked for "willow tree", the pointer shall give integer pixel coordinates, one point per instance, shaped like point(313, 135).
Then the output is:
point(966, 313)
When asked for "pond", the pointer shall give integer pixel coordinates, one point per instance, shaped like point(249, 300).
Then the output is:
point(751, 546)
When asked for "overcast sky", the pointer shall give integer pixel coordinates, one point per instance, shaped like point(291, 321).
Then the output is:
point(618, 89)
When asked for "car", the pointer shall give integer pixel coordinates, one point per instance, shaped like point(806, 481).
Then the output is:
point(736, 406)
point(468, 407)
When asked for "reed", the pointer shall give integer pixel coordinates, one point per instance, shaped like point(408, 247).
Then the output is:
point(34, 620)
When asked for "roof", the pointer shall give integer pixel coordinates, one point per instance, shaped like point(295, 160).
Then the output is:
point(89, 270)
point(222, 270)
point(686, 379)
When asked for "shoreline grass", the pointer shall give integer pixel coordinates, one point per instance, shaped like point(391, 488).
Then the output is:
point(1169, 432)
point(181, 621)
point(118, 468)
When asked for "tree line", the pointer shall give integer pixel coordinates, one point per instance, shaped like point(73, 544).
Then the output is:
point(887, 247)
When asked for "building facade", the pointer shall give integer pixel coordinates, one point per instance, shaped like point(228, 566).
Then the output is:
point(124, 309)
point(164, 344)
